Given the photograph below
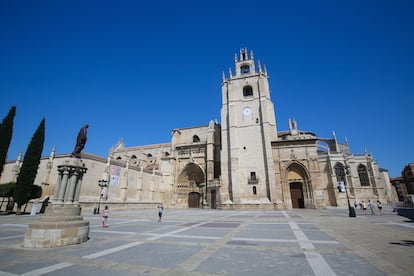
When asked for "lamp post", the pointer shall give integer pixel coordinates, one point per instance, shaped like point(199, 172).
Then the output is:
point(351, 209)
point(103, 184)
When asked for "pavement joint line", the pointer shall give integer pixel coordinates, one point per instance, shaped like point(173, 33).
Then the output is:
point(3, 273)
point(11, 237)
point(119, 223)
point(112, 250)
point(114, 232)
point(159, 236)
point(317, 263)
point(287, 241)
point(186, 236)
point(13, 225)
point(396, 223)
point(46, 269)
point(271, 223)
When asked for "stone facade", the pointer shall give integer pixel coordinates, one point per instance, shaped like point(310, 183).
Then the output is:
point(242, 162)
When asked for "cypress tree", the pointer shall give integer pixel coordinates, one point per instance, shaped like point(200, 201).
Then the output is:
point(6, 132)
point(30, 165)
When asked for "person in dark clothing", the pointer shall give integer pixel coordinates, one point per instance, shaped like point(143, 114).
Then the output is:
point(80, 141)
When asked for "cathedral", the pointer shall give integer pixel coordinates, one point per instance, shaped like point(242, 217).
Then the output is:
point(242, 162)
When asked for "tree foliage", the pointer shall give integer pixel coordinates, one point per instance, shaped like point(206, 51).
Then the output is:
point(30, 165)
point(6, 132)
point(7, 189)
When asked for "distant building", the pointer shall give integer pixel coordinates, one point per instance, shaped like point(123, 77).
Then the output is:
point(404, 185)
point(242, 162)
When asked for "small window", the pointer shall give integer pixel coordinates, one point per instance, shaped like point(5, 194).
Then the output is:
point(247, 91)
point(245, 69)
point(254, 190)
point(253, 175)
point(149, 155)
point(196, 139)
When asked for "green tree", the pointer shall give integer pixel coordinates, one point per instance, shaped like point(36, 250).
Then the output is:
point(6, 132)
point(30, 165)
point(7, 191)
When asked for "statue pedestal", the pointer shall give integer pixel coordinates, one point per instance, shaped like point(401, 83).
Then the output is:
point(61, 224)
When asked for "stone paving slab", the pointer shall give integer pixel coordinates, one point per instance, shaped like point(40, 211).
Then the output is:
point(212, 242)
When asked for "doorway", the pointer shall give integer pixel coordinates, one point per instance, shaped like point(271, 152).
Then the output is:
point(193, 200)
point(296, 194)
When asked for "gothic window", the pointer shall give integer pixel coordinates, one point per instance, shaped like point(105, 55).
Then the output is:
point(363, 175)
point(149, 155)
point(254, 190)
point(244, 69)
point(119, 158)
point(196, 139)
point(247, 91)
point(133, 157)
point(339, 172)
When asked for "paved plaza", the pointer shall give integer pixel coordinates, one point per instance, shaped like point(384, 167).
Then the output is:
point(214, 242)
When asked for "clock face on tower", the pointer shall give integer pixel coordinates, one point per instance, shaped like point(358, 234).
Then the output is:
point(247, 111)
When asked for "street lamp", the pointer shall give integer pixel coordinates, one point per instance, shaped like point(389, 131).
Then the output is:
point(103, 184)
point(351, 209)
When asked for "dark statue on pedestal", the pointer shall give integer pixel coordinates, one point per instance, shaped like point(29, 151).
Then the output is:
point(80, 141)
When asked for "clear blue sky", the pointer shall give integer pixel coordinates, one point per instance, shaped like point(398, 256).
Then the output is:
point(137, 69)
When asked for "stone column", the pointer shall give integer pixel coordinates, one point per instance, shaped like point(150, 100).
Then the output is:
point(61, 224)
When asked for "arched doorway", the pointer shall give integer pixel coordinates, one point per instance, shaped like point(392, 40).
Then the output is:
point(190, 183)
point(299, 186)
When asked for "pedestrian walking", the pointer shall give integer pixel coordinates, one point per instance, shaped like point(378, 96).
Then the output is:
point(379, 206)
point(160, 210)
point(355, 204)
point(105, 216)
point(371, 207)
point(364, 207)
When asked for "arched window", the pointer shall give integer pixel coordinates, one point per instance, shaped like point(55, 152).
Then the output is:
point(244, 69)
point(339, 172)
point(119, 158)
point(196, 139)
point(133, 157)
point(247, 91)
point(363, 175)
point(340, 177)
point(149, 155)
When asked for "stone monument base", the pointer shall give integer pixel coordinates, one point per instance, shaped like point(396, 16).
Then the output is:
point(61, 225)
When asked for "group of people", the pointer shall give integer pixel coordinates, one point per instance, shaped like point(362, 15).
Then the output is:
point(105, 214)
point(364, 206)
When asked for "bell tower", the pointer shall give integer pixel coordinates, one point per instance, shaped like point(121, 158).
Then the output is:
point(248, 128)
